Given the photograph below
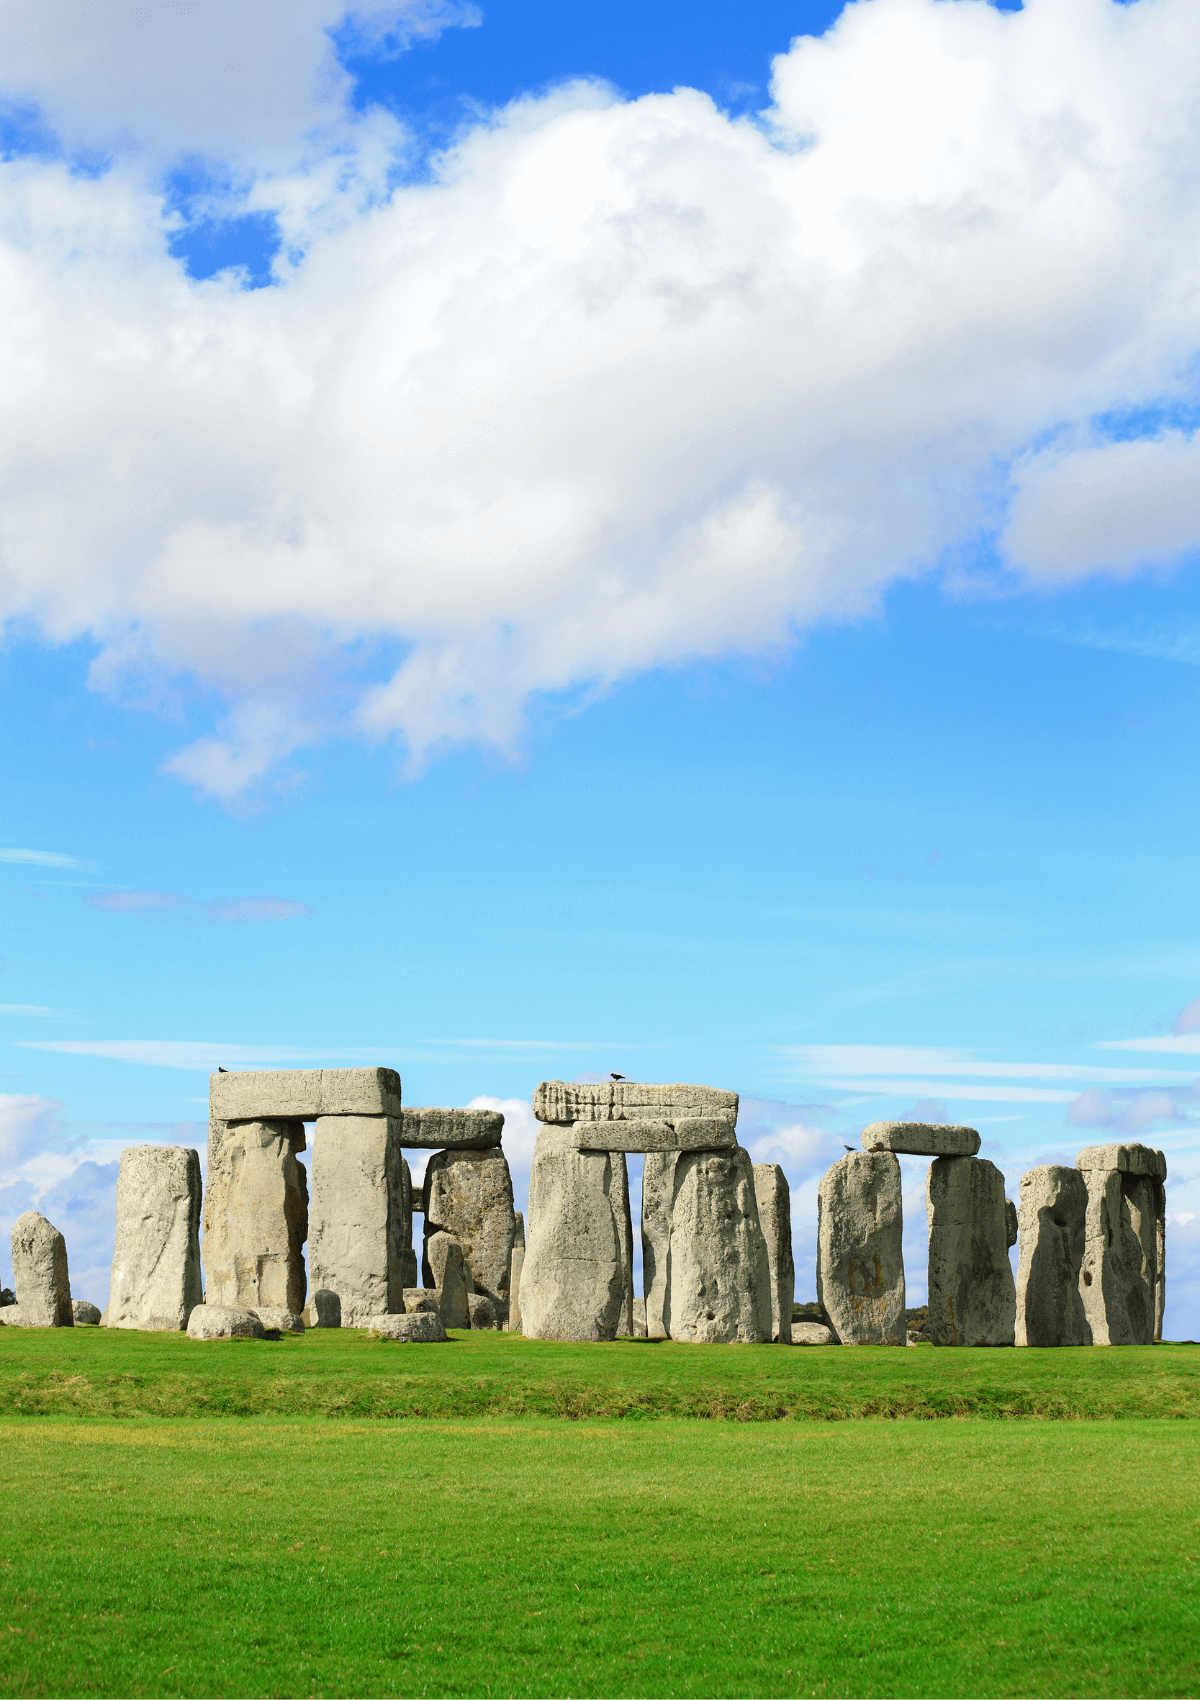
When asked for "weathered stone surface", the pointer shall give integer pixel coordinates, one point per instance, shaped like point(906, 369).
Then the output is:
point(423, 1328)
point(813, 1334)
point(972, 1295)
point(658, 1197)
point(639, 1319)
point(1012, 1223)
point(693, 1133)
point(774, 1198)
point(43, 1286)
point(256, 1217)
point(86, 1315)
point(11, 1317)
point(483, 1311)
point(422, 1301)
point(921, 1139)
point(718, 1272)
point(1126, 1159)
point(156, 1256)
point(860, 1262)
point(357, 1239)
point(565, 1103)
point(1053, 1224)
point(514, 1280)
point(618, 1197)
point(323, 1310)
point(573, 1279)
point(1122, 1278)
point(432, 1129)
point(224, 1322)
point(469, 1194)
point(279, 1321)
point(303, 1094)
point(451, 1275)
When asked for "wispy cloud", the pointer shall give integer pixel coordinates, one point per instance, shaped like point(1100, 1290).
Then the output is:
point(913, 1060)
point(43, 859)
point(222, 910)
point(1173, 1044)
point(27, 1009)
point(178, 1053)
point(133, 902)
point(250, 909)
point(1132, 1112)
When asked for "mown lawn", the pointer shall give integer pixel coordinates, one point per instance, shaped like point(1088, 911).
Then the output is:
point(283, 1556)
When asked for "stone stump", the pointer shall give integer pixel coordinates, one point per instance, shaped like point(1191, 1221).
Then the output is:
point(156, 1280)
point(450, 1275)
point(1052, 1221)
point(658, 1199)
point(357, 1240)
point(860, 1259)
point(573, 1279)
point(513, 1325)
point(718, 1286)
point(1123, 1276)
point(972, 1295)
point(469, 1194)
point(40, 1277)
point(255, 1215)
point(775, 1217)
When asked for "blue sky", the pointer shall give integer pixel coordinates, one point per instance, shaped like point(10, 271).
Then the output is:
point(696, 587)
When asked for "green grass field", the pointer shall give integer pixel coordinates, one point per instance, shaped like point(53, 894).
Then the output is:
point(304, 1550)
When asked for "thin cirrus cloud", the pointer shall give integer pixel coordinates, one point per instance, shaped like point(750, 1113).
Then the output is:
point(42, 859)
point(619, 384)
point(223, 911)
point(175, 1053)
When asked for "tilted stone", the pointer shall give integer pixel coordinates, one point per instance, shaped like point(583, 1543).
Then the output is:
point(432, 1129)
point(256, 1217)
point(224, 1322)
point(573, 1278)
point(658, 1197)
point(813, 1334)
point(719, 1274)
point(860, 1260)
point(450, 1273)
point(86, 1315)
point(422, 1301)
point(1123, 1277)
point(693, 1133)
point(1126, 1159)
point(469, 1194)
point(422, 1329)
point(921, 1139)
point(565, 1103)
point(774, 1198)
point(356, 1247)
point(972, 1295)
point(1053, 1225)
point(513, 1325)
point(303, 1094)
point(618, 1197)
point(156, 1256)
point(40, 1277)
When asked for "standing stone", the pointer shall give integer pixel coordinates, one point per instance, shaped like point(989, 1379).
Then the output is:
point(719, 1274)
point(514, 1280)
point(408, 1257)
point(1012, 1223)
point(255, 1216)
point(156, 1281)
point(450, 1274)
point(775, 1217)
point(469, 1194)
point(85, 1315)
point(43, 1286)
point(658, 1198)
point(860, 1259)
point(972, 1295)
point(324, 1310)
point(358, 1215)
point(619, 1199)
point(1123, 1277)
point(573, 1280)
point(639, 1319)
point(1052, 1218)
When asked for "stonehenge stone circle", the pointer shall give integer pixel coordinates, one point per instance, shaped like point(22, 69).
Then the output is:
point(303, 1094)
point(451, 1277)
point(256, 1214)
point(1053, 1225)
point(775, 1218)
point(921, 1139)
point(40, 1277)
point(423, 1328)
point(573, 1278)
point(860, 1261)
point(658, 1198)
point(468, 1193)
point(693, 1133)
point(86, 1315)
point(514, 1280)
point(618, 1197)
point(356, 1240)
point(224, 1322)
point(156, 1280)
point(565, 1103)
point(433, 1129)
point(719, 1274)
point(1123, 1277)
point(972, 1295)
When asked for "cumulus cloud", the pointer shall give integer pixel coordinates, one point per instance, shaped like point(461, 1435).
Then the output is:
point(1126, 1110)
point(622, 384)
point(28, 1125)
point(1188, 1019)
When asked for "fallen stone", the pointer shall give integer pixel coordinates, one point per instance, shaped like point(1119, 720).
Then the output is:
point(39, 1259)
point(303, 1094)
point(813, 1334)
point(421, 1329)
point(156, 1255)
point(565, 1103)
point(719, 1274)
point(639, 1319)
point(432, 1129)
point(658, 1198)
point(695, 1133)
point(1126, 1159)
point(11, 1317)
point(323, 1310)
point(573, 1279)
point(224, 1322)
point(86, 1315)
point(356, 1243)
point(422, 1301)
point(1053, 1226)
point(921, 1139)
point(279, 1321)
point(972, 1295)
point(860, 1261)
point(256, 1217)
point(469, 1194)
point(513, 1323)
point(452, 1278)
point(1012, 1226)
point(774, 1198)
point(483, 1311)
point(1122, 1279)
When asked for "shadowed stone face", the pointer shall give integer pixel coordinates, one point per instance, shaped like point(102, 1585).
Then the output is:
point(719, 1274)
point(658, 1196)
point(1052, 1221)
point(972, 1294)
point(515, 1269)
point(1123, 1280)
point(860, 1261)
point(357, 1248)
point(775, 1218)
point(450, 1274)
point(256, 1216)
point(156, 1277)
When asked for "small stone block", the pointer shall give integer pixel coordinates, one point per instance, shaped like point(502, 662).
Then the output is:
point(433, 1129)
point(85, 1314)
point(279, 1321)
point(303, 1093)
point(223, 1322)
point(812, 1334)
point(920, 1139)
point(421, 1329)
point(1128, 1159)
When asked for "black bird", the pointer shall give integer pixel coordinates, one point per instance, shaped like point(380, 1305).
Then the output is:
point(221, 1070)
point(849, 1148)
point(616, 1077)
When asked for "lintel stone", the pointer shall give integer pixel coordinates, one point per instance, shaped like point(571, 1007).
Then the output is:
point(435, 1129)
point(920, 1139)
point(268, 1094)
point(564, 1103)
point(1128, 1159)
point(695, 1133)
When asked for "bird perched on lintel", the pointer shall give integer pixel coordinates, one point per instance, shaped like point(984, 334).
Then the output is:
point(616, 1077)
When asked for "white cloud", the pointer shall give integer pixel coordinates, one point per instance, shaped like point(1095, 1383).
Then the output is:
point(28, 1124)
point(176, 1053)
point(1175, 1044)
point(624, 384)
point(42, 859)
point(934, 1061)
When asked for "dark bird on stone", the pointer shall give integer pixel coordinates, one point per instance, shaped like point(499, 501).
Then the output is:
point(850, 1149)
point(616, 1077)
point(221, 1070)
